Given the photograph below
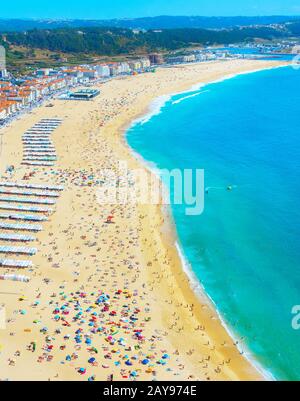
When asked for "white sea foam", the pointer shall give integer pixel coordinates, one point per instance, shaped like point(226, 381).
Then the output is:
point(197, 87)
point(158, 104)
point(188, 97)
point(199, 290)
point(155, 108)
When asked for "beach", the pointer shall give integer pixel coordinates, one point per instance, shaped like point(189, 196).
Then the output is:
point(152, 325)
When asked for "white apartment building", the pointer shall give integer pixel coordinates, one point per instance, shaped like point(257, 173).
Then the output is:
point(103, 70)
point(145, 63)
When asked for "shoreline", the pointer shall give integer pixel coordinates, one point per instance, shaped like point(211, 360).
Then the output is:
point(155, 108)
point(158, 103)
point(176, 311)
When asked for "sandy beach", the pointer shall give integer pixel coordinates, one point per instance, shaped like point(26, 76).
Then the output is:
point(110, 301)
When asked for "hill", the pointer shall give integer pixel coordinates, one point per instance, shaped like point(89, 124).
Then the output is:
point(118, 41)
point(160, 22)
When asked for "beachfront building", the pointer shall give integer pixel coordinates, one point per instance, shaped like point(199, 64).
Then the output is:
point(43, 89)
point(3, 111)
point(296, 49)
point(71, 81)
point(189, 58)
point(145, 63)
point(7, 108)
point(201, 57)
point(211, 56)
point(34, 92)
point(3, 73)
point(76, 75)
point(103, 70)
point(12, 98)
point(90, 73)
point(124, 68)
point(27, 94)
point(19, 97)
point(84, 94)
point(5, 88)
point(73, 72)
point(114, 69)
point(135, 65)
point(57, 84)
point(156, 59)
point(175, 59)
point(43, 72)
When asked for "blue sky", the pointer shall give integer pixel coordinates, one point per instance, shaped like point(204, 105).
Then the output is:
point(102, 9)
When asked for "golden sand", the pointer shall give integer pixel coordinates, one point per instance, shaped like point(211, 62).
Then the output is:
point(79, 251)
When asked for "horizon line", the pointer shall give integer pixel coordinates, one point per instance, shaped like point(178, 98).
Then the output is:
point(155, 16)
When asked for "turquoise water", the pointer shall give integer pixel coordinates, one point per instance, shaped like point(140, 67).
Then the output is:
point(245, 247)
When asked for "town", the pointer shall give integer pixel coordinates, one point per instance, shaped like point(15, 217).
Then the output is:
point(21, 94)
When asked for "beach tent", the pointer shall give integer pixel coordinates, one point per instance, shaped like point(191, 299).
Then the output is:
point(37, 141)
point(40, 152)
point(45, 164)
point(43, 133)
point(31, 186)
point(24, 208)
point(32, 145)
point(41, 130)
point(22, 264)
point(38, 146)
point(29, 193)
point(19, 199)
point(15, 277)
point(39, 158)
point(21, 227)
point(52, 119)
point(36, 135)
point(18, 250)
point(16, 237)
point(24, 217)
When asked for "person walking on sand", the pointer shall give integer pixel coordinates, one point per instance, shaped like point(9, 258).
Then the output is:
point(33, 346)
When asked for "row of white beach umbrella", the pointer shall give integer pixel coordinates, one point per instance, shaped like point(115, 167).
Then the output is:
point(23, 205)
point(13, 226)
point(38, 149)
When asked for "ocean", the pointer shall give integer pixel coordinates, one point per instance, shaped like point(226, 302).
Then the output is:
point(245, 247)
